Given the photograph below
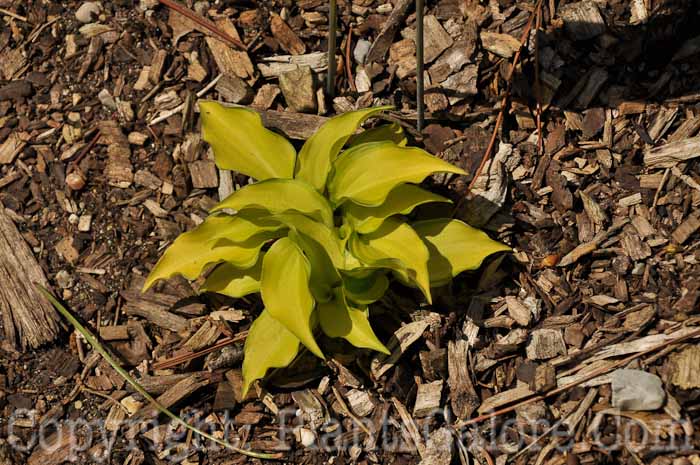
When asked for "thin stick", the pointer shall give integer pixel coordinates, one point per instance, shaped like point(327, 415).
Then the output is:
point(92, 340)
point(177, 360)
point(348, 62)
point(203, 22)
point(588, 377)
point(13, 15)
point(419, 66)
point(538, 84)
point(332, 29)
point(504, 102)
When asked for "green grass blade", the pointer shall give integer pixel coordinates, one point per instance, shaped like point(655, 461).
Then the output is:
point(92, 340)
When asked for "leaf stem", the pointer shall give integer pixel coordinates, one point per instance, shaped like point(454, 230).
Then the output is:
point(92, 340)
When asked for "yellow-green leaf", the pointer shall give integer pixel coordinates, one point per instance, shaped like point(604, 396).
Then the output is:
point(326, 237)
point(268, 345)
point(365, 174)
point(192, 251)
point(244, 225)
point(365, 290)
point(400, 201)
point(395, 245)
point(241, 142)
point(338, 319)
point(319, 151)
point(229, 280)
point(324, 275)
point(279, 196)
point(285, 291)
point(386, 132)
point(454, 247)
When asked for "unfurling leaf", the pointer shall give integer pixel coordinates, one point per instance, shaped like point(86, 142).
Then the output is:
point(326, 237)
point(241, 142)
point(400, 201)
point(319, 151)
point(367, 173)
point(228, 280)
point(192, 251)
point(395, 245)
point(338, 319)
point(454, 247)
point(280, 196)
point(366, 290)
point(324, 275)
point(284, 287)
point(269, 344)
point(386, 132)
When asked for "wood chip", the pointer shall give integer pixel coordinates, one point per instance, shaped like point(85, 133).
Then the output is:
point(289, 41)
point(685, 372)
point(427, 399)
point(668, 155)
point(29, 320)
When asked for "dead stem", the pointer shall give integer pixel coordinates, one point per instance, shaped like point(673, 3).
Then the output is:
point(504, 104)
point(203, 22)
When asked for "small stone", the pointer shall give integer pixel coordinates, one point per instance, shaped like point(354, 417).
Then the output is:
point(88, 12)
point(84, 223)
point(107, 100)
point(78, 404)
point(75, 181)
point(361, 50)
point(636, 390)
point(64, 279)
point(307, 437)
point(298, 89)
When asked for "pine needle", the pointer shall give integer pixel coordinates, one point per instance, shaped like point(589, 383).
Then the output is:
point(92, 340)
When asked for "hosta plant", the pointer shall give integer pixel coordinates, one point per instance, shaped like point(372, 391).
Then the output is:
point(320, 233)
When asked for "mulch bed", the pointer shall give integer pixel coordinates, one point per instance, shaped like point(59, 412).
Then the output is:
point(102, 166)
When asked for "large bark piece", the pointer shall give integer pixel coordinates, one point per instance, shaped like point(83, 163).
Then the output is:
point(28, 318)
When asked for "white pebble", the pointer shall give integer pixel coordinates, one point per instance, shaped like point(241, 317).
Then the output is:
point(88, 11)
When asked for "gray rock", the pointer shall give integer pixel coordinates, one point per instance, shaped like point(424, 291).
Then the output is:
point(298, 89)
point(361, 50)
point(88, 11)
point(106, 99)
point(637, 390)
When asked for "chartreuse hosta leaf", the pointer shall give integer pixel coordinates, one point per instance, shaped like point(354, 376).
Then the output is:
point(228, 280)
point(324, 275)
point(319, 151)
point(367, 173)
point(243, 226)
point(395, 242)
point(454, 247)
point(338, 319)
point(366, 290)
point(269, 345)
point(284, 287)
point(400, 201)
point(326, 237)
point(386, 132)
point(279, 196)
point(241, 143)
point(192, 251)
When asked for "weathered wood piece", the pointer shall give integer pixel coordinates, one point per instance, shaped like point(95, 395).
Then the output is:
point(463, 396)
point(427, 398)
point(385, 38)
point(668, 155)
point(29, 320)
